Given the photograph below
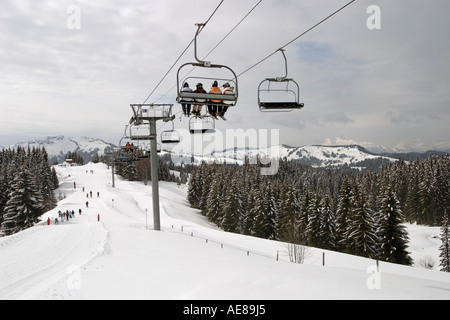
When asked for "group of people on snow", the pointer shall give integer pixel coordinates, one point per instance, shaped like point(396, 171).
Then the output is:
point(213, 110)
point(64, 216)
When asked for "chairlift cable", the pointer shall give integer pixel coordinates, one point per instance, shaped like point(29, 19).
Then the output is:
point(301, 35)
point(232, 30)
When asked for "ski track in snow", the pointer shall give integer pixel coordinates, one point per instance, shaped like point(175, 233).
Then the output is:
point(121, 257)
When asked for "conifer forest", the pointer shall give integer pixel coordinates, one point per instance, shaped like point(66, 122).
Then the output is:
point(359, 213)
point(27, 184)
point(346, 211)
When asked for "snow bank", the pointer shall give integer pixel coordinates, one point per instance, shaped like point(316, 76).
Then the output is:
point(111, 252)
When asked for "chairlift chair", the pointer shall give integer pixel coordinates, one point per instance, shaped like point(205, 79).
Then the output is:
point(139, 132)
point(126, 154)
point(203, 125)
point(279, 98)
point(227, 100)
point(170, 136)
point(279, 94)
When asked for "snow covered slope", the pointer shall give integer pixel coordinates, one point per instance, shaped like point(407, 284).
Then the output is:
point(320, 156)
point(351, 156)
point(107, 252)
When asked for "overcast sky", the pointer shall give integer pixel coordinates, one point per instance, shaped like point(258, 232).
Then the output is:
point(385, 87)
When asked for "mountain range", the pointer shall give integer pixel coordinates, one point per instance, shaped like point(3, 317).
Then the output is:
point(58, 147)
point(345, 156)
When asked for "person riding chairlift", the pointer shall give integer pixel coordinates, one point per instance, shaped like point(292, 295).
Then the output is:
point(198, 107)
point(186, 102)
point(223, 109)
point(213, 109)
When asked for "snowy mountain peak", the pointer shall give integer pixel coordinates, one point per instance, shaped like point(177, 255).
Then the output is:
point(349, 156)
point(58, 146)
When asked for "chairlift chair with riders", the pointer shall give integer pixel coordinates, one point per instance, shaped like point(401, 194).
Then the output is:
point(280, 94)
point(226, 100)
point(126, 151)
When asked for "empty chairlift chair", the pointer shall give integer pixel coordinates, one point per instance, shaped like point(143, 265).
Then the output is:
point(170, 136)
point(280, 94)
point(203, 125)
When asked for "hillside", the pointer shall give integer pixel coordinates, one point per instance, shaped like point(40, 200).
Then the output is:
point(345, 156)
point(351, 156)
point(57, 147)
point(118, 257)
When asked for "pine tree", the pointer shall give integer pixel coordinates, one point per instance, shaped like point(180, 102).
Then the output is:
point(271, 211)
point(43, 178)
point(4, 189)
point(392, 234)
point(287, 214)
point(22, 210)
point(445, 246)
point(131, 171)
point(258, 212)
point(214, 208)
point(327, 225)
point(195, 188)
point(232, 206)
point(361, 234)
point(412, 198)
point(303, 218)
point(344, 210)
point(249, 219)
point(314, 222)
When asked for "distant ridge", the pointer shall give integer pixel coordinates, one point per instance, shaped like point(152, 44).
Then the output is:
point(339, 156)
point(57, 147)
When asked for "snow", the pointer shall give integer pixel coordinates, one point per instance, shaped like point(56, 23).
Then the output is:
point(316, 156)
point(118, 257)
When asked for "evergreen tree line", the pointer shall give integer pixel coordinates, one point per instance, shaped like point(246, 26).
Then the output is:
point(27, 184)
point(141, 171)
point(347, 211)
point(76, 158)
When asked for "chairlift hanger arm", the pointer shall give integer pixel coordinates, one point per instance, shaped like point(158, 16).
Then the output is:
point(199, 29)
point(285, 61)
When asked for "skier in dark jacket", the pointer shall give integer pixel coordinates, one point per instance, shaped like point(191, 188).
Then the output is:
point(198, 107)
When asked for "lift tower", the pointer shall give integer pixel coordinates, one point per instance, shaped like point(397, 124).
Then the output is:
point(152, 113)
